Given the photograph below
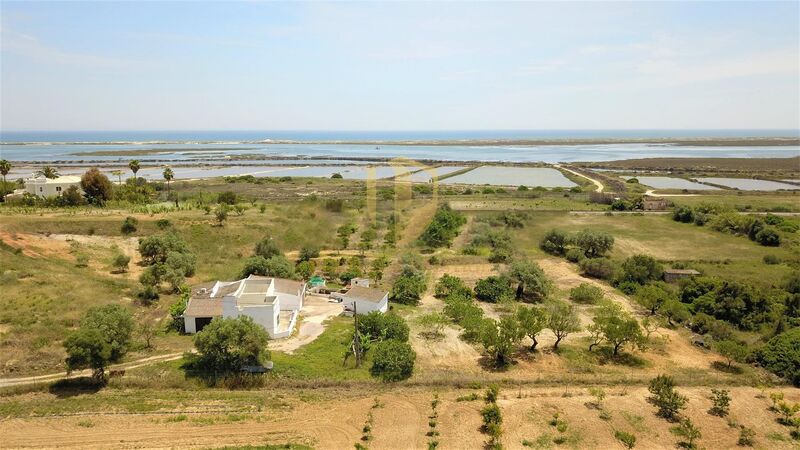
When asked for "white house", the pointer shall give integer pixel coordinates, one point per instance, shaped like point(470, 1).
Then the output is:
point(365, 300)
point(272, 303)
point(51, 187)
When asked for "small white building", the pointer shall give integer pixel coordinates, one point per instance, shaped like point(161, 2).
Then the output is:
point(364, 300)
point(273, 303)
point(363, 282)
point(51, 187)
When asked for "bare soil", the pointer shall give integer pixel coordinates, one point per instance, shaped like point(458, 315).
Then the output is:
point(402, 421)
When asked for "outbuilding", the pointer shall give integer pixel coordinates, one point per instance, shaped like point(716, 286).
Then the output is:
point(364, 300)
point(672, 275)
point(51, 187)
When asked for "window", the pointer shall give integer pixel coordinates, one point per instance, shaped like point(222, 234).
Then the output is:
point(41, 189)
point(58, 188)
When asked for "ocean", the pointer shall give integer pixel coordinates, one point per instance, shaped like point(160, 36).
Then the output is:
point(202, 146)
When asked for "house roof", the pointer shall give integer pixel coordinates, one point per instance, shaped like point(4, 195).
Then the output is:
point(203, 307)
point(60, 180)
point(287, 286)
point(682, 271)
point(205, 290)
point(282, 285)
point(228, 289)
point(254, 288)
point(365, 294)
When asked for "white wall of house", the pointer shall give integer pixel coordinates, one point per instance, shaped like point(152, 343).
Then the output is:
point(44, 187)
point(291, 302)
point(363, 282)
point(189, 325)
point(265, 315)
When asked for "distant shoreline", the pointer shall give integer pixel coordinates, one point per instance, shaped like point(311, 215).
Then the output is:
point(688, 141)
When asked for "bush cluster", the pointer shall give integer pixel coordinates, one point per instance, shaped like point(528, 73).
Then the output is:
point(443, 227)
point(758, 230)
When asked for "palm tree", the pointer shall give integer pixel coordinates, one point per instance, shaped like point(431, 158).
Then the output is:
point(134, 166)
point(168, 175)
point(118, 173)
point(5, 167)
point(48, 172)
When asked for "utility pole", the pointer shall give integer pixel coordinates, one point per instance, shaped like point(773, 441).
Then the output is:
point(356, 336)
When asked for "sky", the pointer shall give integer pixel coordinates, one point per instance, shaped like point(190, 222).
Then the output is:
point(399, 66)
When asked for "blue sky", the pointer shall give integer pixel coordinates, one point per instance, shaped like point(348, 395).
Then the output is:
point(399, 66)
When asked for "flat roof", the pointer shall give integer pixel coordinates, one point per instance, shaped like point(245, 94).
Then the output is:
point(366, 294)
point(61, 179)
point(682, 271)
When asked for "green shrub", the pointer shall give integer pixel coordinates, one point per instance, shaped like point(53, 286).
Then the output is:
point(392, 360)
point(379, 326)
point(82, 260)
point(781, 355)
point(129, 225)
point(120, 262)
point(768, 238)
point(443, 228)
point(227, 198)
point(601, 268)
point(586, 293)
point(683, 214)
point(276, 266)
point(721, 400)
point(493, 289)
point(627, 439)
point(575, 255)
point(665, 398)
point(641, 269)
point(554, 242)
point(449, 285)
point(409, 286)
point(746, 437)
point(771, 260)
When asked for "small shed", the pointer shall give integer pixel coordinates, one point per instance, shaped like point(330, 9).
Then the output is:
point(672, 275)
point(362, 282)
point(654, 204)
point(365, 300)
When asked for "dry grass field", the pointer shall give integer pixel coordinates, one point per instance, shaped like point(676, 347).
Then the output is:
point(311, 400)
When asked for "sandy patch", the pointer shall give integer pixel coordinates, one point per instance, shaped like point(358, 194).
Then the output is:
point(59, 246)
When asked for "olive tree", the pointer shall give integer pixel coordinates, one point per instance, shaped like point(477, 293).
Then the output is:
point(530, 279)
point(532, 322)
point(500, 337)
point(594, 243)
point(617, 328)
point(555, 242)
point(561, 320)
point(228, 344)
point(102, 338)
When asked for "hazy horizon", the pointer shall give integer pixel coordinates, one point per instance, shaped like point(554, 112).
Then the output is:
point(399, 66)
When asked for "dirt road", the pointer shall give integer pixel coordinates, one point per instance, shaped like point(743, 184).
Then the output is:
point(7, 382)
point(599, 185)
